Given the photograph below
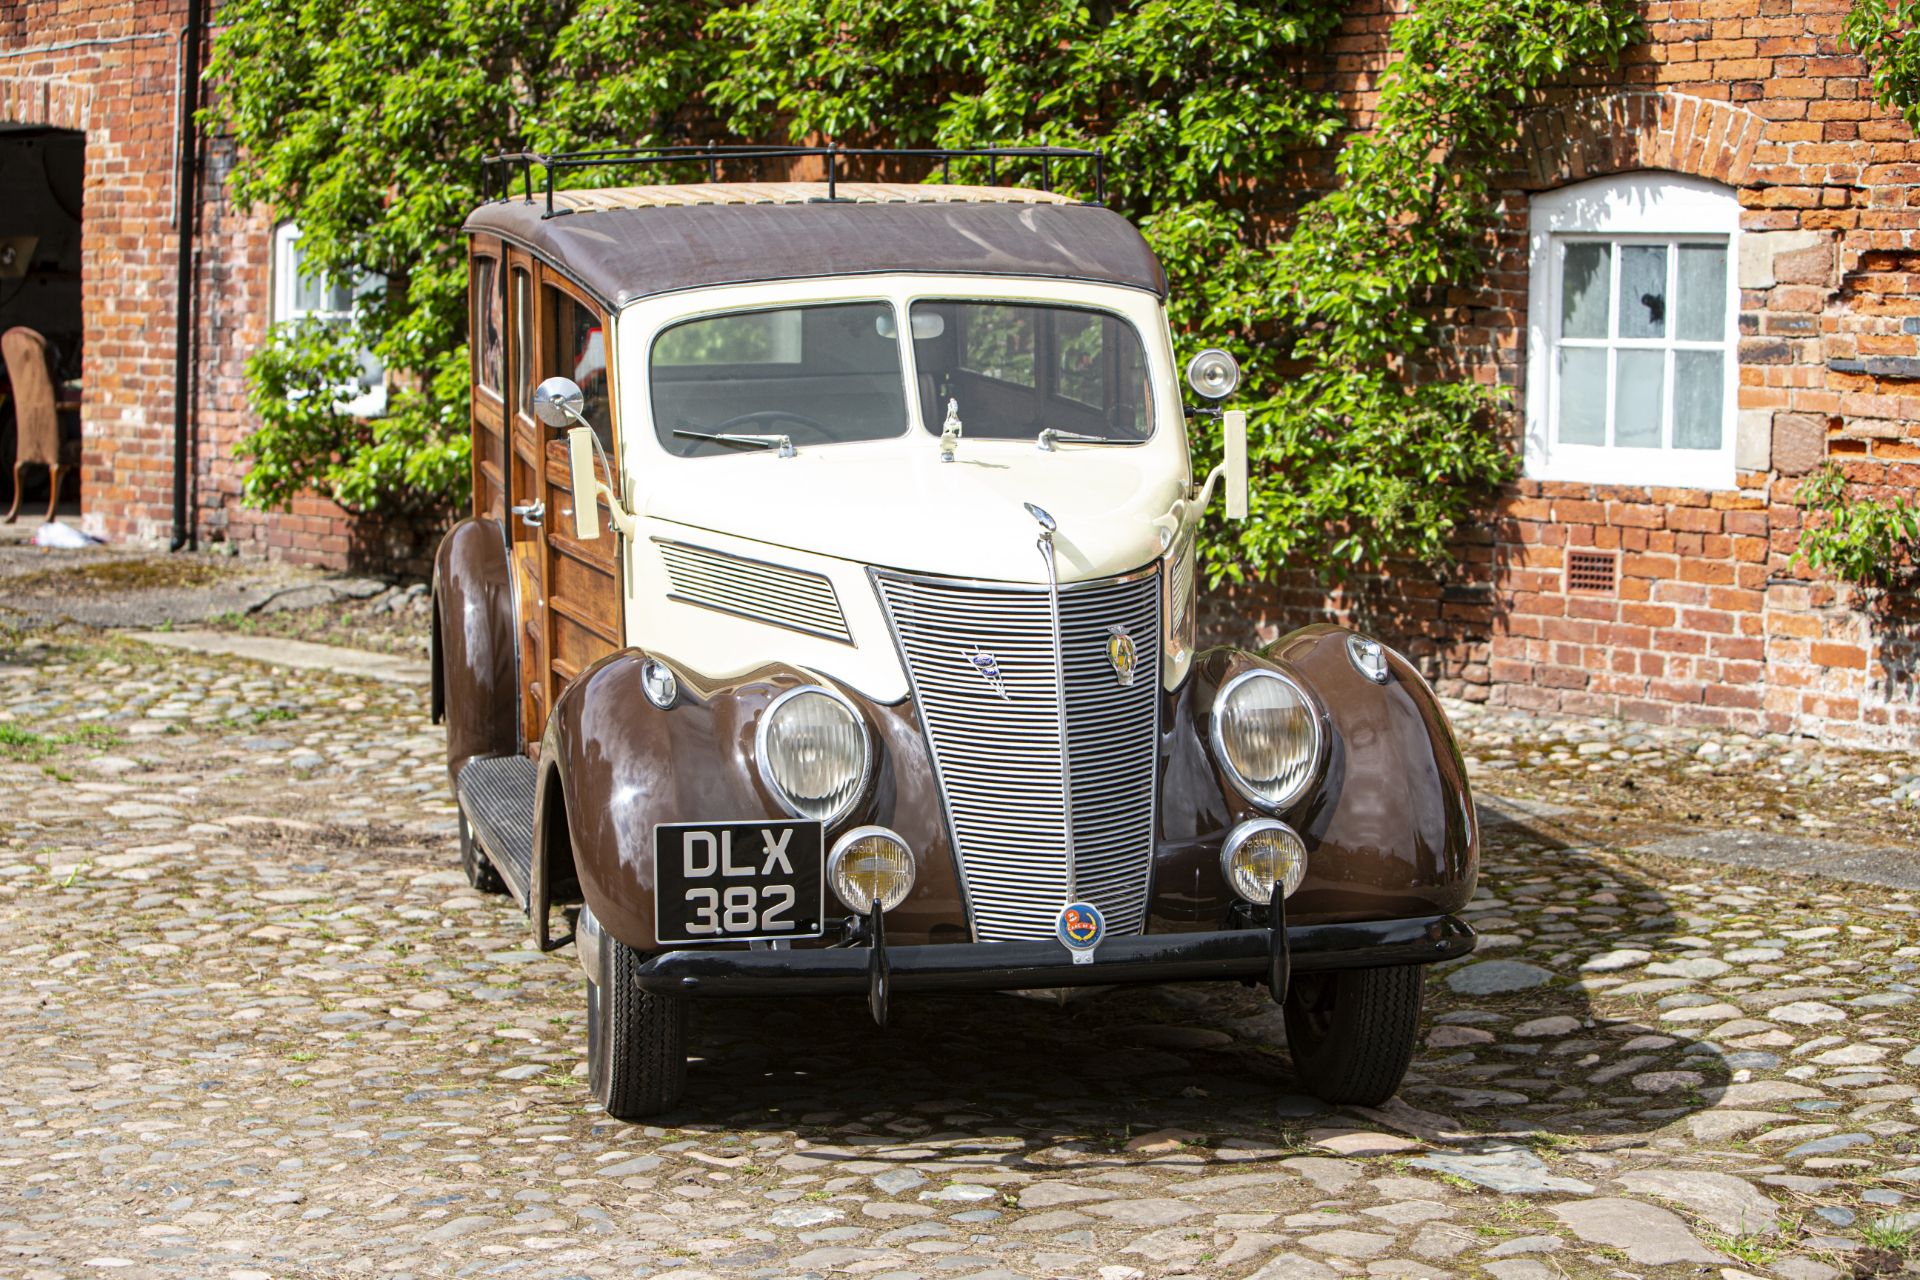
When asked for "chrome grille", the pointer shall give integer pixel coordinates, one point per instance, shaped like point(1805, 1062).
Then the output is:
point(774, 593)
point(999, 757)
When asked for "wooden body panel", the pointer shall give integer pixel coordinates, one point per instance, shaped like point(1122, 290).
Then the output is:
point(567, 593)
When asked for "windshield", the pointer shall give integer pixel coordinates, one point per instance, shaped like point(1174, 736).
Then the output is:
point(817, 375)
point(1015, 369)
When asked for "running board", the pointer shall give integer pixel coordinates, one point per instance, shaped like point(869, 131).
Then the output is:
point(496, 793)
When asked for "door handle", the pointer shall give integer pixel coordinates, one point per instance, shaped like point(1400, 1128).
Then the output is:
point(530, 513)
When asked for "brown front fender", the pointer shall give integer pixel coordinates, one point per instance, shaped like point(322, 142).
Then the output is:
point(1389, 825)
point(625, 765)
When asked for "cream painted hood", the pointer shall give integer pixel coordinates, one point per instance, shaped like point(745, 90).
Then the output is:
point(893, 503)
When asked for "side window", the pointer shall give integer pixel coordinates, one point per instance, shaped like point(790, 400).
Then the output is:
point(522, 343)
point(578, 350)
point(488, 331)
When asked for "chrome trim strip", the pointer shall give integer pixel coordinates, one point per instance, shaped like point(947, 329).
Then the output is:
point(1146, 570)
point(1045, 543)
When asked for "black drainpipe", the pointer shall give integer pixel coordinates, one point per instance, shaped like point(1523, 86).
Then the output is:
point(183, 319)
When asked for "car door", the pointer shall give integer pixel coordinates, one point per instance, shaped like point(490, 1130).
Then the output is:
point(584, 617)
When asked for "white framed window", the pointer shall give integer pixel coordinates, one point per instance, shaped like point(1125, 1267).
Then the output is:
point(1633, 332)
point(298, 295)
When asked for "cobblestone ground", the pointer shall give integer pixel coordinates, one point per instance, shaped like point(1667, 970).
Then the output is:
point(254, 1024)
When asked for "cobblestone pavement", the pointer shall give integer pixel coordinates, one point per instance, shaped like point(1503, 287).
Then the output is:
point(254, 1024)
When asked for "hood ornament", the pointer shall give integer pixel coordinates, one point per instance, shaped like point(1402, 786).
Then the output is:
point(950, 432)
point(989, 668)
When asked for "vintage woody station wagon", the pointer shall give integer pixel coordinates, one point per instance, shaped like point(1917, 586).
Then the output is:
point(825, 624)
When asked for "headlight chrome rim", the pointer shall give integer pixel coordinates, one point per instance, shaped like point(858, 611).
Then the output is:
point(1307, 776)
point(763, 761)
point(1237, 839)
point(845, 844)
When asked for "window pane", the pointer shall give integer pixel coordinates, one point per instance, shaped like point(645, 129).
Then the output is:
point(818, 374)
point(1583, 291)
point(1638, 397)
point(755, 337)
point(1087, 374)
point(1701, 309)
point(1000, 343)
point(488, 339)
point(1643, 291)
point(522, 343)
point(1698, 388)
point(580, 352)
point(1583, 396)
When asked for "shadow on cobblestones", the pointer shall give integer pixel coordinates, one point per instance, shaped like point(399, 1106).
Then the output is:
point(1514, 1044)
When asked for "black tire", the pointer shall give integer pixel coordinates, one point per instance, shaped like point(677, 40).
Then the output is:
point(480, 872)
point(636, 1041)
point(1352, 1033)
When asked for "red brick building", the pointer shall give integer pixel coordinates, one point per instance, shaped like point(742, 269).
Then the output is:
point(91, 96)
point(1707, 283)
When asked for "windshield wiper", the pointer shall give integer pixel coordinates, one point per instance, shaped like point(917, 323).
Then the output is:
point(1050, 434)
point(783, 443)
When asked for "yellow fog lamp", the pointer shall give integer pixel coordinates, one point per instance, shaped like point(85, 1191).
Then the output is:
point(868, 865)
point(1260, 854)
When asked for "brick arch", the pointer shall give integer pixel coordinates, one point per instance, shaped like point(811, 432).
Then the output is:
point(43, 100)
point(1632, 129)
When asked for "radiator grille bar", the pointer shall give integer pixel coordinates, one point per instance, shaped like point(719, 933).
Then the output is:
point(999, 755)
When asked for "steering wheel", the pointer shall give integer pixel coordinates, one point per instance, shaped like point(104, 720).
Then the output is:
point(770, 416)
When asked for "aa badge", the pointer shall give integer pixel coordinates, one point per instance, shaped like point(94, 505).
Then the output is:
point(1080, 928)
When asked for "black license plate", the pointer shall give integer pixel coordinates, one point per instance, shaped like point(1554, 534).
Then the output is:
point(739, 881)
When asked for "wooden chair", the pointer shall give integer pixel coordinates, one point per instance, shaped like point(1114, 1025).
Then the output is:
point(36, 415)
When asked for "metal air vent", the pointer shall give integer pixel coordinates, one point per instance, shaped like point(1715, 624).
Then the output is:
point(779, 595)
point(1593, 573)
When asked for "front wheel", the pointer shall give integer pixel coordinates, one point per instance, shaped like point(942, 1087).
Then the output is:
point(636, 1041)
point(1352, 1033)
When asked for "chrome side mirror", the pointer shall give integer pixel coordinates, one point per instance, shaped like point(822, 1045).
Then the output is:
point(558, 402)
point(586, 487)
point(1233, 429)
point(1212, 374)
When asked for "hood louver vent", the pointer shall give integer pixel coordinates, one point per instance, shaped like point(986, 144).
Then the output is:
point(775, 594)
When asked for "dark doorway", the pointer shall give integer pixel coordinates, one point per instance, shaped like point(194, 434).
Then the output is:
point(42, 173)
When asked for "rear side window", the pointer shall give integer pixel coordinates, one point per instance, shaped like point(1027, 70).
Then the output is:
point(489, 335)
point(827, 374)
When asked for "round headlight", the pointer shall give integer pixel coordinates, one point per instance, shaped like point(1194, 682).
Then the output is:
point(1260, 854)
point(1267, 735)
point(813, 752)
point(868, 865)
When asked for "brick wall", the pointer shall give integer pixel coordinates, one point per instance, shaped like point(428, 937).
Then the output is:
point(1711, 622)
point(115, 81)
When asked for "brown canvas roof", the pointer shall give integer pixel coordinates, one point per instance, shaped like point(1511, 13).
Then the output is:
point(624, 243)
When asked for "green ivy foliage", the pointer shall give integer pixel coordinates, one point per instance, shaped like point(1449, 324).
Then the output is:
point(363, 119)
point(364, 123)
point(1360, 452)
point(1863, 541)
point(1887, 35)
